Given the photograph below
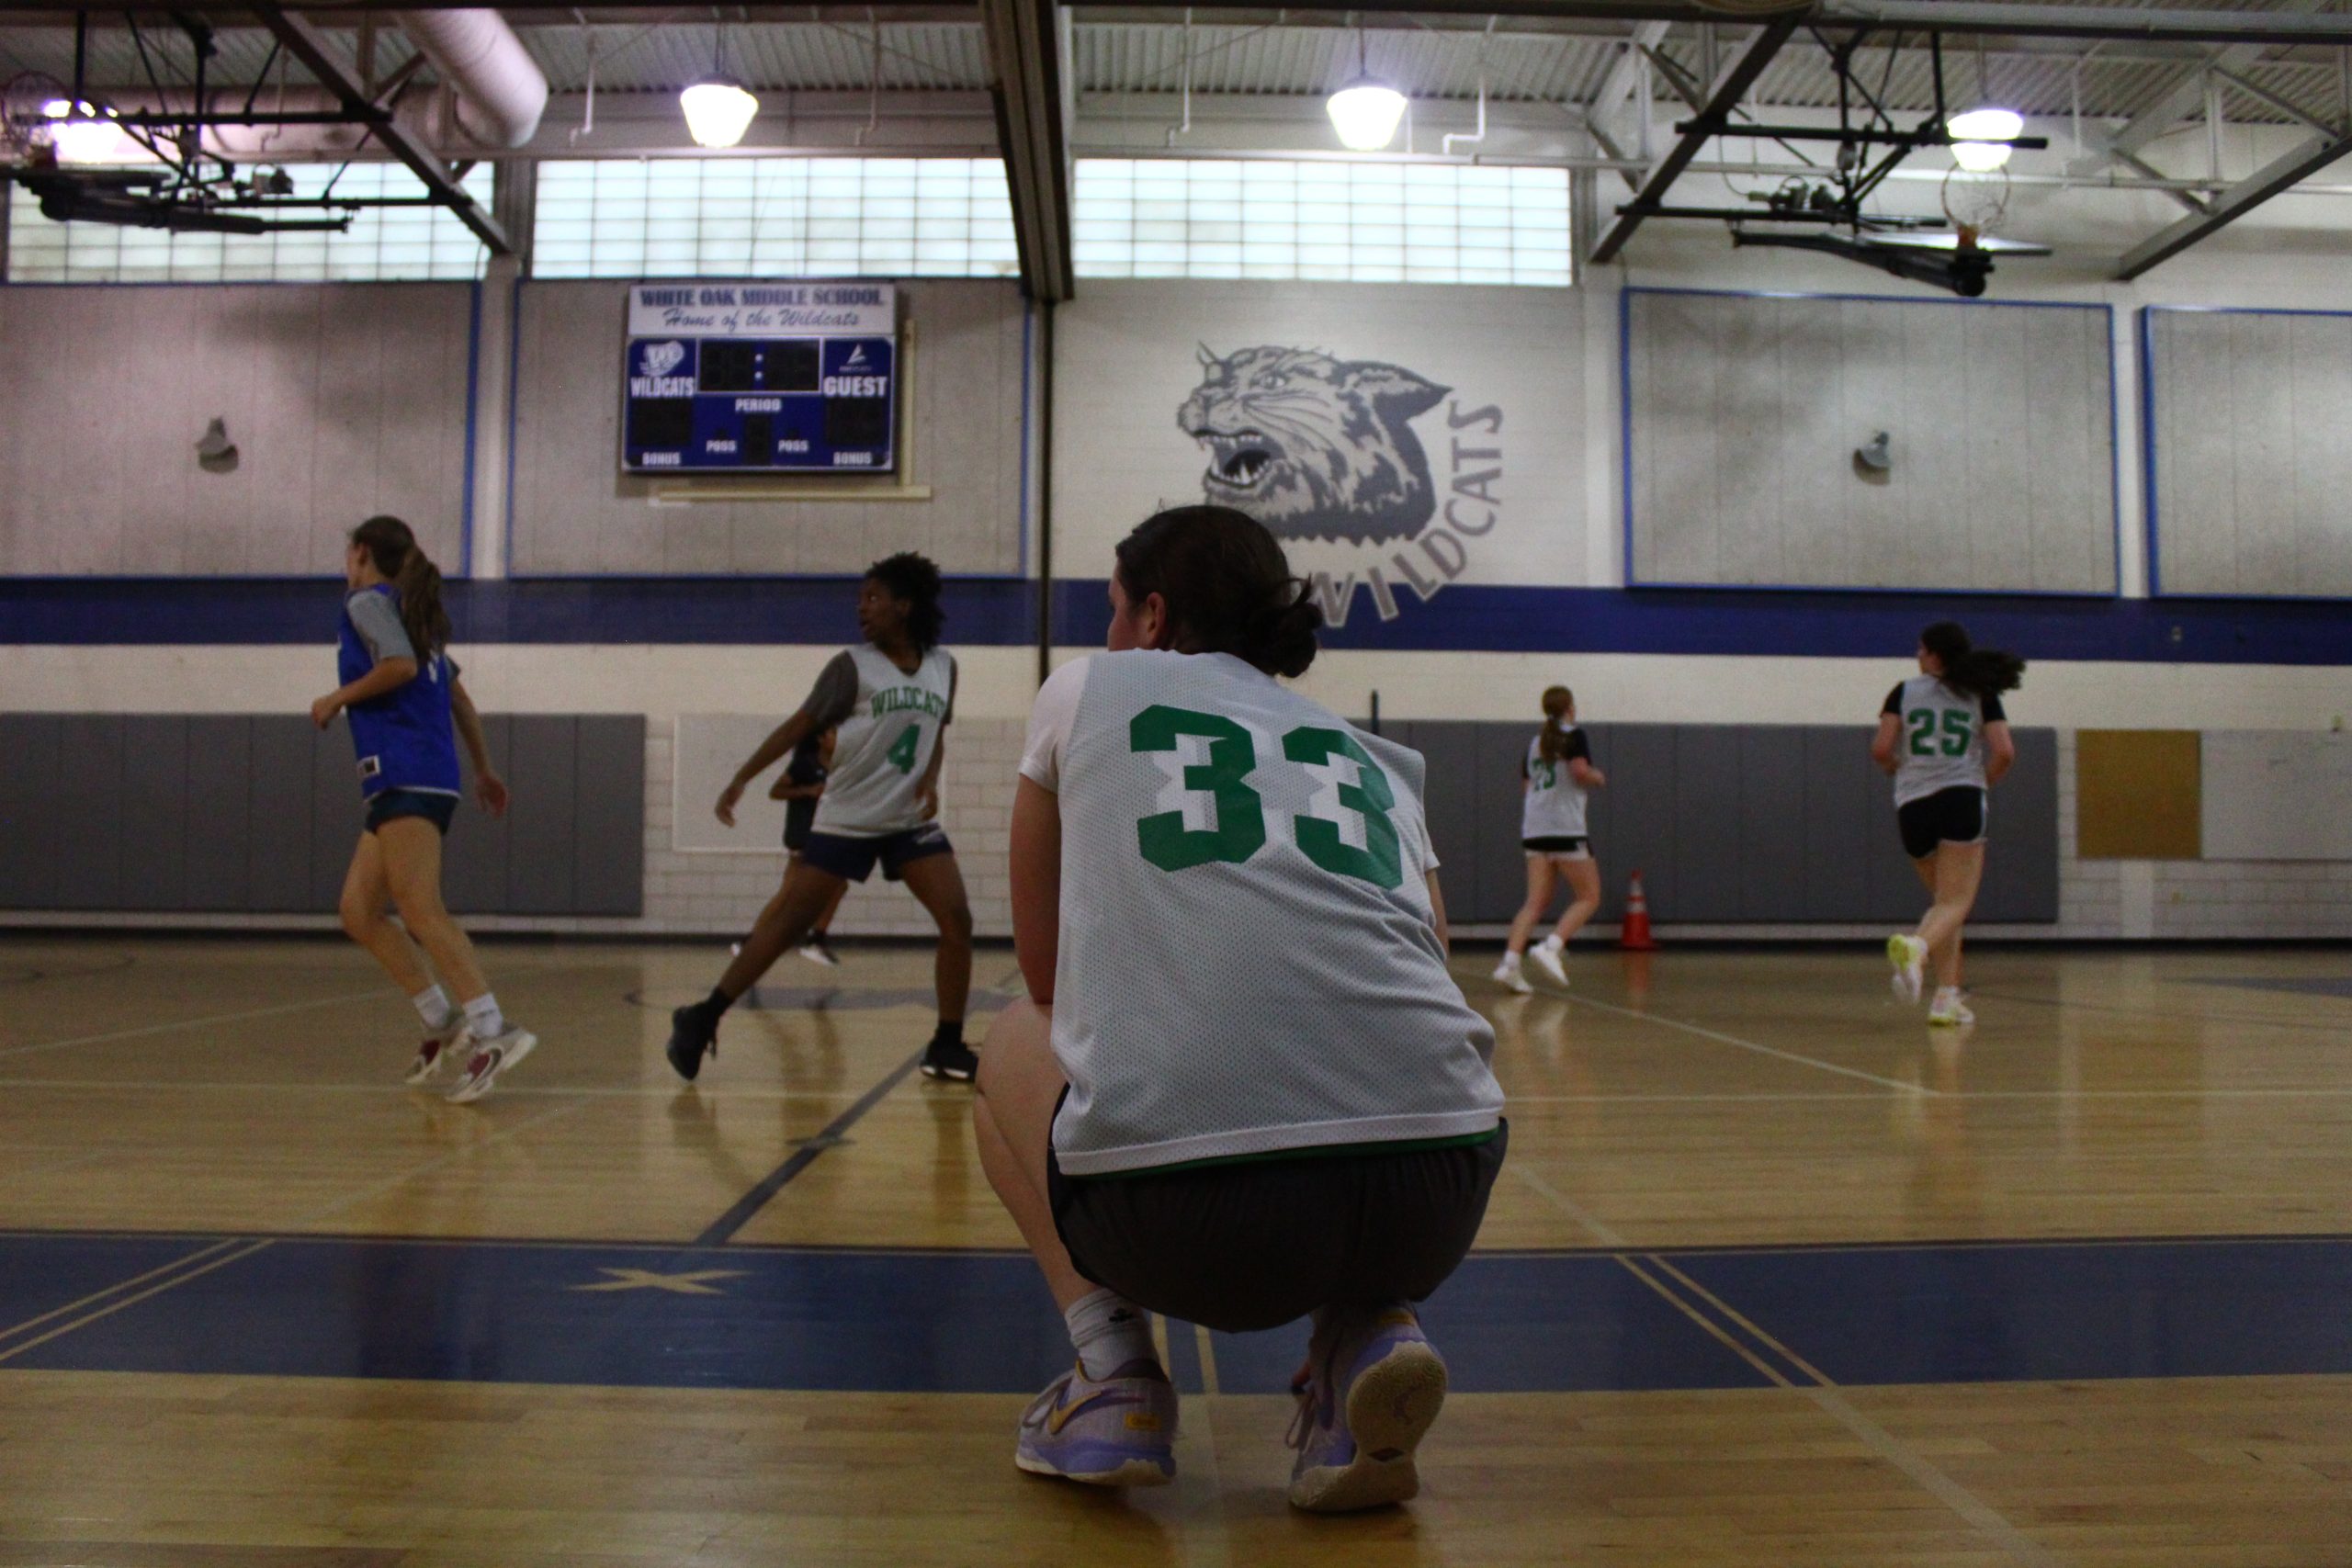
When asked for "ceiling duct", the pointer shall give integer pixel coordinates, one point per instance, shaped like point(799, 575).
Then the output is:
point(499, 90)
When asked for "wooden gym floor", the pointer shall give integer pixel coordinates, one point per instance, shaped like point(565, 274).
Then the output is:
point(1775, 1275)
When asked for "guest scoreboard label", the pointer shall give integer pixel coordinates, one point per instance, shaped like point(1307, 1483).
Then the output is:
point(761, 378)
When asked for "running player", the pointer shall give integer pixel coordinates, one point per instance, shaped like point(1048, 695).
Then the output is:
point(798, 786)
point(1243, 1088)
point(891, 702)
point(1945, 737)
point(1554, 778)
point(402, 690)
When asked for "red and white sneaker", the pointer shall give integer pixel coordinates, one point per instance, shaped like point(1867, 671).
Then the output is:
point(492, 1057)
point(443, 1047)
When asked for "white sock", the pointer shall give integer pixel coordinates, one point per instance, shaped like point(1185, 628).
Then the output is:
point(1511, 959)
point(432, 1005)
point(1552, 944)
point(483, 1018)
point(1109, 1331)
point(1947, 994)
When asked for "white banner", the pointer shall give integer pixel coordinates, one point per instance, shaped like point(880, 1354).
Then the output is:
point(1397, 439)
point(753, 309)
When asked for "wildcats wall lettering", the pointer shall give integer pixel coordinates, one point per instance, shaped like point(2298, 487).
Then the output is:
point(1472, 507)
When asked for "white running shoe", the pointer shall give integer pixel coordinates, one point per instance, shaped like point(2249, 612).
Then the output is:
point(444, 1046)
point(492, 1057)
point(1949, 1011)
point(1547, 958)
point(1909, 956)
point(1507, 975)
point(815, 952)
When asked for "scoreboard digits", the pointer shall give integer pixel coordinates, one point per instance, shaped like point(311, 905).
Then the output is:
point(761, 378)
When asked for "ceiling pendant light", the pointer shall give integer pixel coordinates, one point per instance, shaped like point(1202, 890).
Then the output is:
point(1981, 138)
point(1366, 110)
point(719, 109)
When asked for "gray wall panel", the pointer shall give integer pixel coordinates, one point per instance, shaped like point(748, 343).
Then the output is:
point(1844, 797)
point(474, 857)
point(343, 399)
point(1746, 411)
point(2022, 867)
point(29, 790)
point(542, 766)
point(2251, 463)
point(87, 813)
point(1501, 749)
point(575, 512)
point(609, 824)
point(155, 829)
point(337, 810)
point(1773, 852)
point(219, 802)
point(281, 790)
point(1635, 830)
point(1706, 822)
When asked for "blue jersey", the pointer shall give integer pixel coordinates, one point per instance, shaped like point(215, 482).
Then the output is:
point(405, 739)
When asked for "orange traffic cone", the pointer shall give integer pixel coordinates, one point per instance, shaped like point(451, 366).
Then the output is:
point(1635, 936)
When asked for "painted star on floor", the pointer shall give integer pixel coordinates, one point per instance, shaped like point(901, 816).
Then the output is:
point(695, 1283)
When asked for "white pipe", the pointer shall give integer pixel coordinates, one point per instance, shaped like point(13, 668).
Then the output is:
point(1445, 144)
point(499, 89)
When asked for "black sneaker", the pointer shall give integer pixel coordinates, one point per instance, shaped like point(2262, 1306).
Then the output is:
point(693, 1033)
point(950, 1059)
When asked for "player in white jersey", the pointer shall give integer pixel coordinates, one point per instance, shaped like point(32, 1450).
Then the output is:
point(1244, 1088)
point(890, 703)
point(1944, 737)
point(1554, 777)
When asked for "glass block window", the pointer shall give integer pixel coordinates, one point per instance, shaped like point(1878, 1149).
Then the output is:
point(383, 245)
point(775, 217)
point(1359, 222)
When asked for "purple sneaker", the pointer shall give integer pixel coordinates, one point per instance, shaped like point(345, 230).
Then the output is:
point(1372, 1389)
point(1118, 1432)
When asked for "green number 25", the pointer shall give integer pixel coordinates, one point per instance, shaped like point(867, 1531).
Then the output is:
point(1957, 729)
point(1238, 830)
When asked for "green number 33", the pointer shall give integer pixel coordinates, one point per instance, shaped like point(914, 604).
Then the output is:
point(1238, 828)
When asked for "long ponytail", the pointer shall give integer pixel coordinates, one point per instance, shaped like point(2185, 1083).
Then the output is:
point(391, 545)
point(1558, 703)
point(1973, 671)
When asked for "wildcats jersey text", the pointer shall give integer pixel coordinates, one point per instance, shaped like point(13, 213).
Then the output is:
point(883, 748)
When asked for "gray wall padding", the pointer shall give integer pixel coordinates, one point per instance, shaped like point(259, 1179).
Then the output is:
point(1745, 411)
point(258, 814)
point(2252, 466)
point(1730, 824)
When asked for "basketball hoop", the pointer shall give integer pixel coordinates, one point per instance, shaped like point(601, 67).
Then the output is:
point(1976, 203)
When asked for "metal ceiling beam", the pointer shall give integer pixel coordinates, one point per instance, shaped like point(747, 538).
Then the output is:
point(1729, 89)
point(305, 44)
point(2274, 178)
point(1028, 55)
point(1623, 88)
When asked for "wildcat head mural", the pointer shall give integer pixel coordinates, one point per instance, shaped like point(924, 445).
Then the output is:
point(1313, 446)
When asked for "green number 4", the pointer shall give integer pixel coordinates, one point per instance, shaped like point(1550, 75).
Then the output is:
point(1237, 829)
point(1957, 729)
point(901, 754)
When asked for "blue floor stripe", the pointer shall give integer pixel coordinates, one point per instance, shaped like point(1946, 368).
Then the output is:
point(981, 1322)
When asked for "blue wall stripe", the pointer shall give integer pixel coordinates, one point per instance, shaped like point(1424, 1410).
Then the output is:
point(997, 612)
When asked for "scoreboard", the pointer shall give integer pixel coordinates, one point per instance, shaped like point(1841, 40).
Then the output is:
point(761, 378)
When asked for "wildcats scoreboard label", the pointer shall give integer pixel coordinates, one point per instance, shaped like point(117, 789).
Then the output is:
point(761, 378)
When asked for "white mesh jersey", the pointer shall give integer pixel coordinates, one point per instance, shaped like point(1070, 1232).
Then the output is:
point(1553, 805)
point(1248, 963)
point(885, 745)
point(1942, 743)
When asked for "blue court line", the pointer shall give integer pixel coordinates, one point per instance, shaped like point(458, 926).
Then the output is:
point(794, 1318)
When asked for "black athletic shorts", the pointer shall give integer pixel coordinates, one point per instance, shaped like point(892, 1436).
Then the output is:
point(1954, 815)
point(436, 810)
point(800, 815)
point(853, 860)
point(1576, 846)
point(1261, 1243)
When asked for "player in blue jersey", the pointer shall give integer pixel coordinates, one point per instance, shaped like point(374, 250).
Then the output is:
point(407, 709)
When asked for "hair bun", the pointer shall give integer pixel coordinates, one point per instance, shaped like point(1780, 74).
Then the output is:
point(1282, 633)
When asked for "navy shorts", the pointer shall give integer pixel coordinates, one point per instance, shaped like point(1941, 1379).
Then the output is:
point(800, 815)
point(1954, 815)
point(853, 860)
point(436, 810)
